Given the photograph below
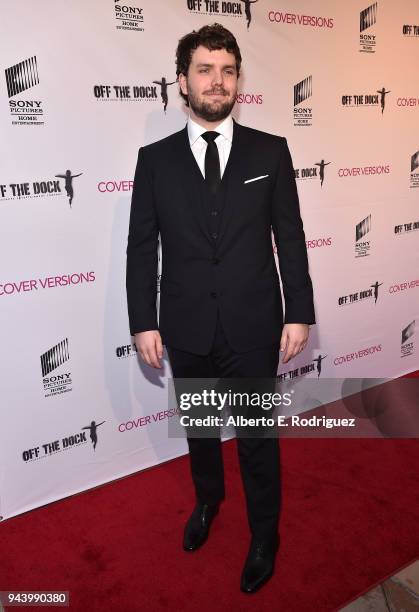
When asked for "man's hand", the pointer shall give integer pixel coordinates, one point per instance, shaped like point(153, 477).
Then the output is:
point(294, 339)
point(150, 347)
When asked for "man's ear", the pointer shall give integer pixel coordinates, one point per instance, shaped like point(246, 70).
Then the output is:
point(183, 84)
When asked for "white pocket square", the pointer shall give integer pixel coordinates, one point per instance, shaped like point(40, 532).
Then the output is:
point(257, 178)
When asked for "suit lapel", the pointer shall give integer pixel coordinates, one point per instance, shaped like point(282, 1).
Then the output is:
point(191, 180)
point(234, 171)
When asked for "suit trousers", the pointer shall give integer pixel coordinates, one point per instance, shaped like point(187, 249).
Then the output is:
point(259, 457)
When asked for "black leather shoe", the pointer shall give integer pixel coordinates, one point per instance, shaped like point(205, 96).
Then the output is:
point(198, 525)
point(259, 565)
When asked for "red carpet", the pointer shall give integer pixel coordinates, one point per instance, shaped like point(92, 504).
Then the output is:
point(350, 518)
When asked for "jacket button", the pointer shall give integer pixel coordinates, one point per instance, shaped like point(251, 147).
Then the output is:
point(213, 294)
point(214, 213)
point(215, 261)
point(214, 235)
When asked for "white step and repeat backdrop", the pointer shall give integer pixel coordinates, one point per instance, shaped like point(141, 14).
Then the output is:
point(80, 92)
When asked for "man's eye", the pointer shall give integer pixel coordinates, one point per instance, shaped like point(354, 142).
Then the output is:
point(204, 70)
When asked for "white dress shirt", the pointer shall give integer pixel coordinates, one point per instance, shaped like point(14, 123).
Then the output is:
point(199, 145)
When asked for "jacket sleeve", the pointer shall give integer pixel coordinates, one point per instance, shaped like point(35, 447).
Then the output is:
point(289, 237)
point(142, 262)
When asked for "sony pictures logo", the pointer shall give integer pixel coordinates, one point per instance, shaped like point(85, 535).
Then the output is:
point(128, 17)
point(52, 360)
point(414, 172)
point(303, 113)
point(362, 246)
point(407, 345)
point(20, 78)
point(367, 36)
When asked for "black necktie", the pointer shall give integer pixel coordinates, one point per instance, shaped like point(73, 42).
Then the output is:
point(212, 161)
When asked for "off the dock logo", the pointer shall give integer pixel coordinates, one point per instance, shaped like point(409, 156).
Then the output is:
point(406, 228)
point(128, 17)
point(222, 8)
point(362, 246)
point(69, 442)
point(37, 189)
point(126, 350)
point(52, 360)
point(314, 366)
point(20, 78)
point(410, 30)
point(367, 35)
point(125, 93)
point(317, 172)
point(362, 100)
point(360, 295)
point(303, 113)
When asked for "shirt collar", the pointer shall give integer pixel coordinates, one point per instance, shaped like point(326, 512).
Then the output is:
point(225, 128)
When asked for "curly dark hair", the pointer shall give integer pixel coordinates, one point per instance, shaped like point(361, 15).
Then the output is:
point(212, 37)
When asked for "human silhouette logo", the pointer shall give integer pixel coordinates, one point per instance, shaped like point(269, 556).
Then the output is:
point(322, 165)
point(247, 10)
point(68, 177)
point(93, 431)
point(375, 287)
point(163, 90)
point(318, 361)
point(383, 94)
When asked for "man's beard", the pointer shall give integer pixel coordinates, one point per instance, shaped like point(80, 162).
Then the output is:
point(208, 112)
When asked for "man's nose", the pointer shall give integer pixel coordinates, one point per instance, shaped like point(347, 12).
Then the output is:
point(218, 78)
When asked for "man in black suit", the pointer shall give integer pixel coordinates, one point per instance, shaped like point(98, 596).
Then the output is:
point(214, 191)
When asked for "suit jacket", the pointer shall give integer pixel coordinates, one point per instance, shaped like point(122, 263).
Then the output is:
point(236, 274)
